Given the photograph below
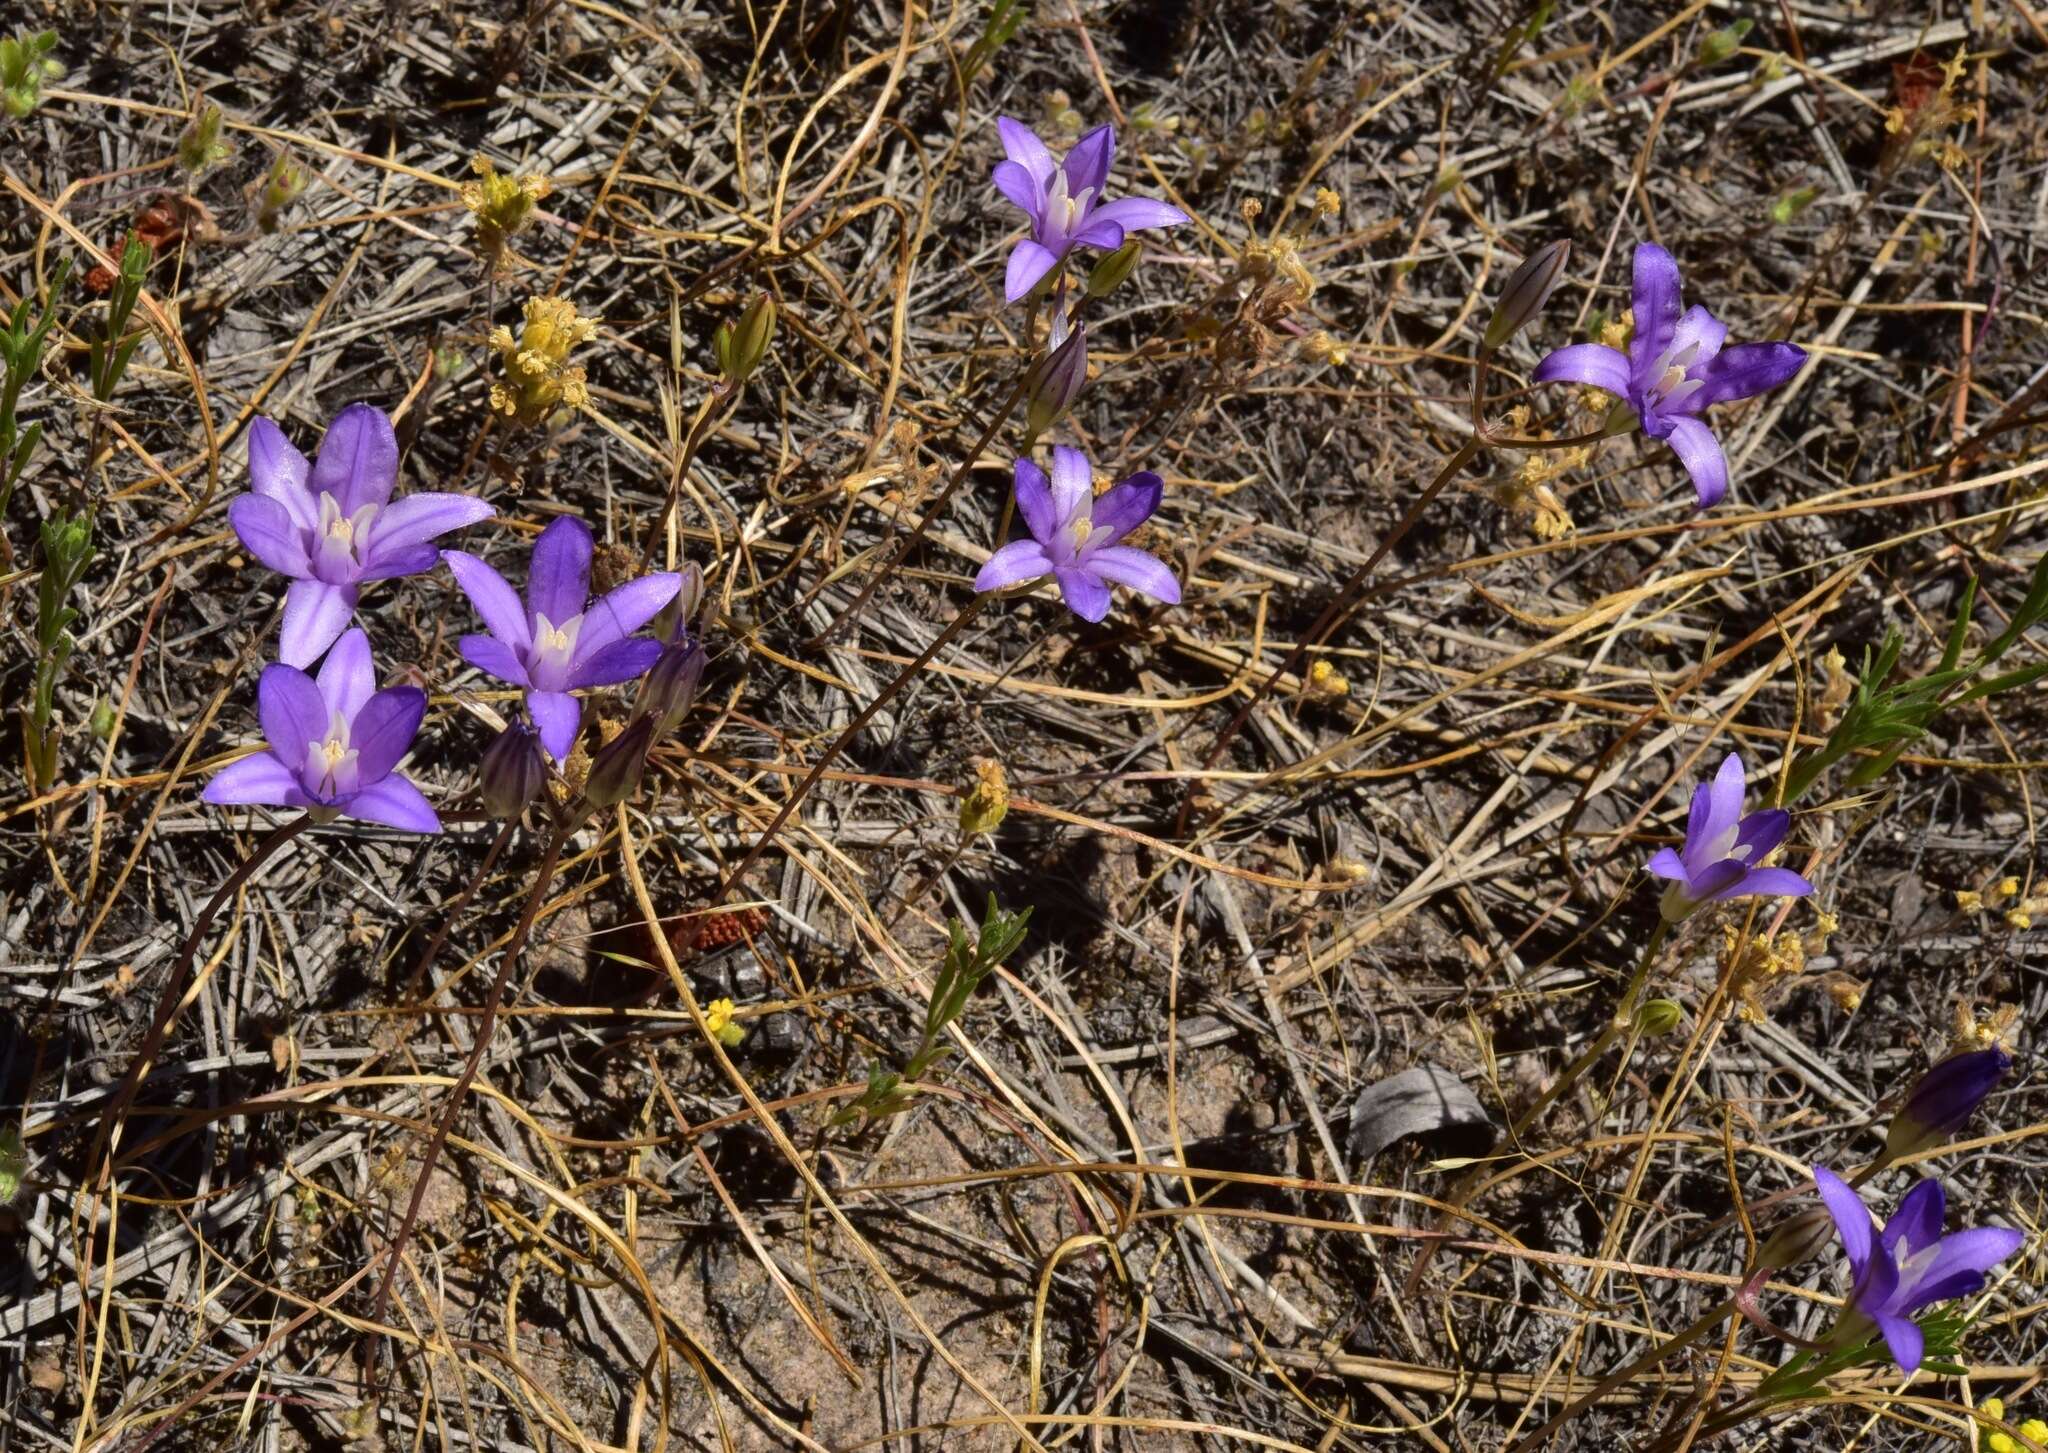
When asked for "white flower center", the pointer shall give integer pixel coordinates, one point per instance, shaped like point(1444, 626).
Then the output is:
point(338, 539)
point(331, 769)
point(553, 646)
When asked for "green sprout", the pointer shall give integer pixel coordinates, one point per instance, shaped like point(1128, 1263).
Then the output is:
point(968, 961)
point(1005, 18)
point(24, 65)
point(21, 354)
point(1788, 205)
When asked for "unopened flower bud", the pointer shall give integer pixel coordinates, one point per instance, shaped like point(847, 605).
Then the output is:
point(1108, 275)
point(615, 770)
point(1659, 1017)
point(672, 681)
point(513, 771)
point(1528, 288)
point(1797, 1240)
point(1944, 1100)
point(1058, 377)
point(199, 144)
point(740, 348)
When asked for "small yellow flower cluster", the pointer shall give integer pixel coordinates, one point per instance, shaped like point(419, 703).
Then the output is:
point(538, 375)
point(2034, 1430)
point(982, 809)
point(2019, 915)
point(718, 1019)
point(1974, 1031)
point(1320, 347)
point(1753, 967)
point(1326, 681)
point(502, 204)
point(1527, 491)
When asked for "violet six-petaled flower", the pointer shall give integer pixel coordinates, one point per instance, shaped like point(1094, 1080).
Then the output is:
point(1074, 536)
point(334, 741)
point(1675, 367)
point(332, 524)
point(1064, 201)
point(1907, 1268)
point(552, 644)
point(1722, 849)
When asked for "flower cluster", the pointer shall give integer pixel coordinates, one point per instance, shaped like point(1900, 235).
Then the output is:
point(333, 740)
point(502, 205)
point(539, 378)
point(1075, 538)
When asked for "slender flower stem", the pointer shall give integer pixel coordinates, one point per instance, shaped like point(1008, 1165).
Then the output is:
point(107, 1137)
point(1662, 1352)
point(939, 642)
point(1624, 1017)
point(700, 427)
point(1336, 613)
point(486, 1025)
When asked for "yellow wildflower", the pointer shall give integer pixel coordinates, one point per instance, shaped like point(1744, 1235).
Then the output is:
point(1326, 680)
point(538, 375)
point(982, 809)
point(718, 1019)
point(502, 204)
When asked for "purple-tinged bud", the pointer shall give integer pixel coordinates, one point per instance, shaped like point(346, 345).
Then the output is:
point(1944, 1100)
point(615, 770)
point(1529, 287)
point(513, 771)
point(1058, 377)
point(1108, 275)
point(672, 681)
point(1796, 1240)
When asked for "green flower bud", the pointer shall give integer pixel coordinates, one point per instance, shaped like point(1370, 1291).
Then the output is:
point(1528, 288)
point(741, 348)
point(1723, 43)
point(1108, 275)
point(199, 144)
point(103, 718)
point(1797, 1240)
point(1659, 1017)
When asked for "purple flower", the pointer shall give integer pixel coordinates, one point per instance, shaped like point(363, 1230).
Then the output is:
point(1064, 202)
point(332, 524)
point(333, 743)
point(1674, 368)
point(1944, 1100)
point(551, 644)
point(1722, 847)
point(1909, 1267)
point(1074, 536)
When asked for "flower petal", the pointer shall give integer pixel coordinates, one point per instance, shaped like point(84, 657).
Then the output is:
point(1135, 214)
point(1717, 880)
point(358, 461)
point(1723, 813)
point(616, 662)
point(558, 580)
point(1851, 1217)
point(1765, 883)
point(1016, 562)
point(1073, 486)
point(1958, 1268)
point(558, 715)
point(393, 802)
point(268, 531)
point(406, 560)
point(620, 613)
point(1034, 500)
point(1917, 1219)
point(1665, 863)
point(1907, 1343)
point(383, 730)
point(258, 778)
point(1657, 304)
point(494, 599)
point(1100, 232)
point(419, 518)
point(1761, 832)
point(1700, 331)
point(1700, 452)
point(1086, 595)
point(494, 658)
point(1021, 188)
point(346, 677)
point(1128, 504)
point(1588, 363)
point(314, 614)
point(292, 711)
point(1745, 370)
point(1029, 264)
point(1132, 567)
point(1087, 165)
point(1022, 146)
point(277, 471)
